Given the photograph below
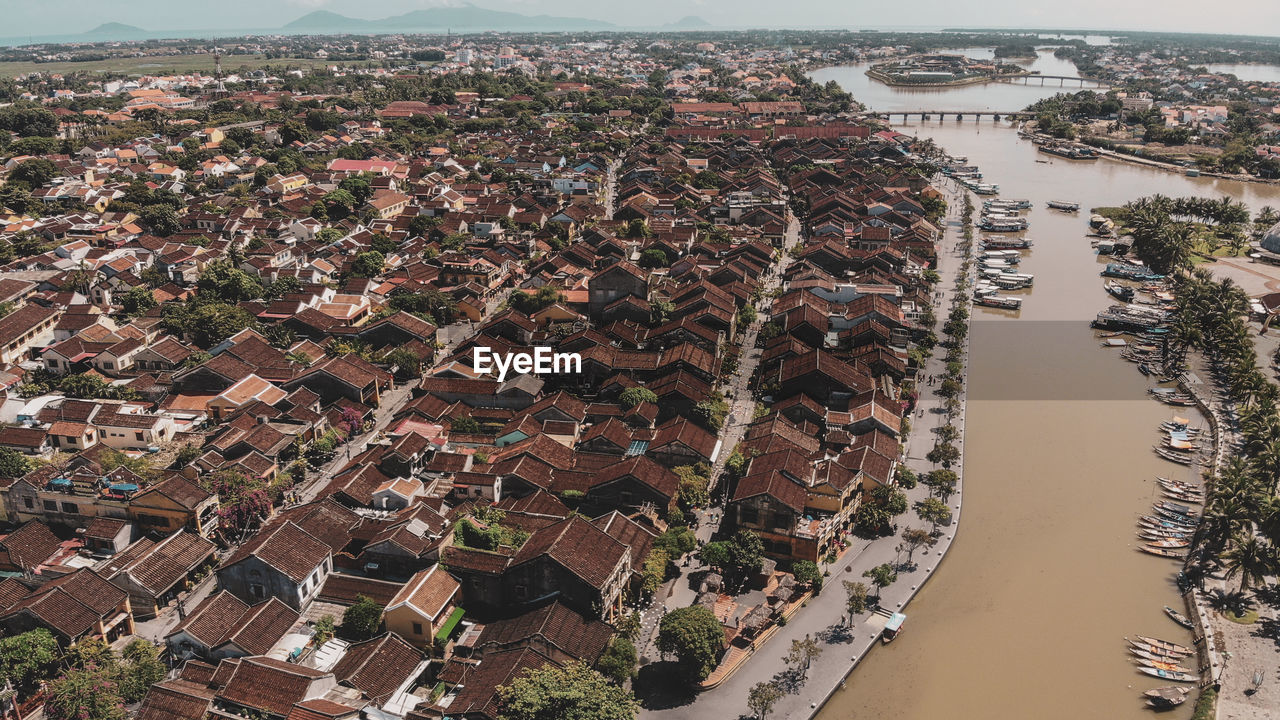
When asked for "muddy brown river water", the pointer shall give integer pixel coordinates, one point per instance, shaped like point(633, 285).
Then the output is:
point(1027, 615)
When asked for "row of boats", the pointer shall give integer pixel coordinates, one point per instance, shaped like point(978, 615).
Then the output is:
point(998, 264)
point(969, 176)
point(1164, 660)
point(1133, 318)
point(1168, 530)
point(1070, 151)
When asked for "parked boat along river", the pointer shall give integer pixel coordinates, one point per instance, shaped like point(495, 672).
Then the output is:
point(1044, 579)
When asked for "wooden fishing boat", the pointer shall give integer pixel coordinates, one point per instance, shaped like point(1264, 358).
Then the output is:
point(1173, 515)
point(1179, 495)
point(1171, 646)
point(1169, 543)
point(1148, 655)
point(1178, 484)
point(1178, 617)
point(1159, 533)
point(1183, 510)
point(1179, 531)
point(1164, 522)
point(1169, 696)
point(1118, 291)
point(1170, 675)
point(1152, 652)
point(1171, 667)
point(1163, 552)
point(1170, 455)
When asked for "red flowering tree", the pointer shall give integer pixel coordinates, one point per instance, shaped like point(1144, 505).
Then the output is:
point(242, 502)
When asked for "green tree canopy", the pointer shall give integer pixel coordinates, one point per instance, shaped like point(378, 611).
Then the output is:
point(573, 692)
point(696, 638)
point(13, 464)
point(746, 553)
point(29, 658)
point(362, 620)
point(633, 396)
point(89, 693)
point(137, 301)
point(368, 264)
point(619, 661)
point(224, 283)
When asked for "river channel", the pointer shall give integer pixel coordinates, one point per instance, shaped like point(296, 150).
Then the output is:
point(1027, 616)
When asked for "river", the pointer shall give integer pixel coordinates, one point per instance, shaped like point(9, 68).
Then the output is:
point(1249, 72)
point(991, 96)
point(1027, 615)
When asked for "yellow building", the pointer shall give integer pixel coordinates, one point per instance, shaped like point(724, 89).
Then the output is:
point(425, 610)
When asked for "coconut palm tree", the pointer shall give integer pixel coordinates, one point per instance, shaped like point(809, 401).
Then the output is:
point(1252, 558)
point(1224, 521)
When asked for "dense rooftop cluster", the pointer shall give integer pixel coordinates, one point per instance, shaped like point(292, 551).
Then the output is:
point(240, 336)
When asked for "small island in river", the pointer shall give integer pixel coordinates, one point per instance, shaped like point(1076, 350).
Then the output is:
point(937, 70)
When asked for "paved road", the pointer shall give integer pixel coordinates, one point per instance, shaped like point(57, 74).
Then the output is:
point(824, 617)
point(742, 404)
point(392, 401)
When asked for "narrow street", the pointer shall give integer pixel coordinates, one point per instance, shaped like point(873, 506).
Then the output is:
point(824, 617)
point(392, 401)
point(737, 389)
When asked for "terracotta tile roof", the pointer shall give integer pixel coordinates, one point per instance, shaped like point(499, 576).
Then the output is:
point(28, 546)
point(462, 558)
point(378, 666)
point(158, 566)
point(643, 469)
point(577, 546)
point(638, 538)
point(342, 589)
point(11, 591)
point(680, 430)
point(269, 685)
point(287, 548)
point(178, 489)
point(428, 592)
point(175, 700)
point(211, 620)
point(539, 502)
point(480, 682)
point(197, 672)
point(320, 709)
point(555, 624)
point(72, 604)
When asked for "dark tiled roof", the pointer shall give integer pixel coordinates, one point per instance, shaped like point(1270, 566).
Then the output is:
point(576, 545)
point(269, 685)
point(28, 546)
point(378, 666)
point(175, 700)
point(556, 624)
point(158, 566)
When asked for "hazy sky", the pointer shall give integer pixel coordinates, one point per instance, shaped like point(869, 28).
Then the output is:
point(57, 17)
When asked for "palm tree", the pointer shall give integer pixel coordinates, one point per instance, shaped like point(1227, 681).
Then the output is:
point(1224, 521)
point(1251, 558)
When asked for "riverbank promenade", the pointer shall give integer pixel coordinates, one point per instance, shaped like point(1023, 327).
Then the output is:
point(824, 618)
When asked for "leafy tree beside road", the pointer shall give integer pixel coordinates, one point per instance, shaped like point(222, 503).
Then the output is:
point(573, 692)
point(696, 638)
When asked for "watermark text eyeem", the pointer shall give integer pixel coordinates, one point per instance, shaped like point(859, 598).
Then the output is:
point(542, 361)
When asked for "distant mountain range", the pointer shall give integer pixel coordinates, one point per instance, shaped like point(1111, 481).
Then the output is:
point(115, 30)
point(465, 18)
point(689, 22)
point(462, 18)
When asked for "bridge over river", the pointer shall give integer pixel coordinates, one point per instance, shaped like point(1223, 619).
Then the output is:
point(995, 115)
point(1063, 80)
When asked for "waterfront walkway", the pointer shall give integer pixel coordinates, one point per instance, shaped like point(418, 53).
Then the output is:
point(824, 617)
point(1234, 652)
